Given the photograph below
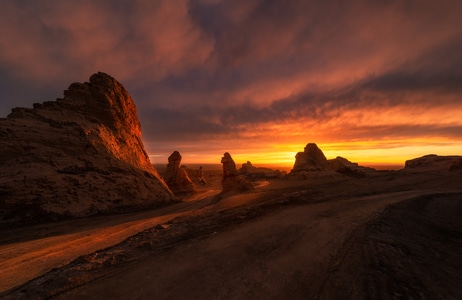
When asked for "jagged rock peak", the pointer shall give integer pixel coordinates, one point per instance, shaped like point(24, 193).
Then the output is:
point(101, 100)
point(109, 100)
point(311, 159)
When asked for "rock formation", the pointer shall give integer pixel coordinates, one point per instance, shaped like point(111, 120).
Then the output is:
point(176, 177)
point(252, 172)
point(200, 176)
point(231, 179)
point(312, 159)
point(433, 162)
point(346, 167)
point(246, 168)
point(77, 156)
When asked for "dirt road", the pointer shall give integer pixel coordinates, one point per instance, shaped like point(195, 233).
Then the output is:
point(285, 240)
point(26, 253)
point(280, 255)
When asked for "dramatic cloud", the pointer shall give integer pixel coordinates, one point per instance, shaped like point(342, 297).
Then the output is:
point(255, 77)
point(50, 39)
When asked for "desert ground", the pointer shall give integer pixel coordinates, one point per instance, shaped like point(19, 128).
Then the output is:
point(393, 235)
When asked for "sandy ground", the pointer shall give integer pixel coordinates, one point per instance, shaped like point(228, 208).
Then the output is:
point(28, 252)
point(390, 237)
point(412, 250)
point(55, 245)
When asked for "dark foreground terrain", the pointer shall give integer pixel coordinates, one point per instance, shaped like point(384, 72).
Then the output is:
point(395, 235)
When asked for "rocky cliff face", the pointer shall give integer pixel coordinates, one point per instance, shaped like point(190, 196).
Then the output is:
point(77, 156)
point(176, 177)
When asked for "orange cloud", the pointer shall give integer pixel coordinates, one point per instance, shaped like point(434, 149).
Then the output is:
point(153, 38)
point(255, 78)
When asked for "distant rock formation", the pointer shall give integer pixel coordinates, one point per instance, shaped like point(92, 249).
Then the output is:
point(246, 167)
point(312, 159)
point(346, 167)
point(176, 177)
point(200, 176)
point(252, 172)
point(433, 162)
point(231, 179)
point(77, 156)
point(230, 174)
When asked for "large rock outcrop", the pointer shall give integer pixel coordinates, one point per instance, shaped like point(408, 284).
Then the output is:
point(311, 159)
point(77, 156)
point(176, 176)
point(232, 182)
point(312, 162)
point(433, 162)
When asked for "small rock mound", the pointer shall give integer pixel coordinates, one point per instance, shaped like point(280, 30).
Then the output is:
point(433, 162)
point(77, 156)
point(176, 177)
point(232, 182)
point(312, 162)
point(252, 172)
point(346, 167)
point(311, 159)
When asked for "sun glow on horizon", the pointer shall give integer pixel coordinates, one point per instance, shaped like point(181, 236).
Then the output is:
point(376, 154)
point(370, 135)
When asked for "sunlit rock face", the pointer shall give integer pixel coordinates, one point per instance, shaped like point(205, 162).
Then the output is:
point(176, 177)
point(434, 162)
point(311, 159)
point(77, 156)
point(232, 182)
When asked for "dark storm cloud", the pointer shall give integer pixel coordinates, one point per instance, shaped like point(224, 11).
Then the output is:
point(437, 71)
point(135, 41)
point(259, 25)
point(177, 125)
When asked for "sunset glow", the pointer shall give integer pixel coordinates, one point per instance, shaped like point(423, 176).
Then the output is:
point(375, 82)
point(390, 154)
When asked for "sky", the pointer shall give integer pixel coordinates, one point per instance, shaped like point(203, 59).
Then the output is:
point(374, 81)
